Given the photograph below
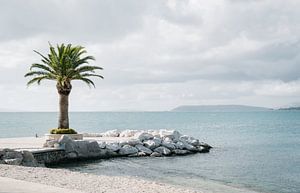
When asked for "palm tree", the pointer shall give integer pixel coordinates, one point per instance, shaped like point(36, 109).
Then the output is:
point(64, 64)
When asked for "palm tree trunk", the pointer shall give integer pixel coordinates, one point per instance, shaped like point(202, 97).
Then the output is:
point(63, 121)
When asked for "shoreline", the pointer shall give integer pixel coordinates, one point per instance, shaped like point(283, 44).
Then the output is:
point(90, 183)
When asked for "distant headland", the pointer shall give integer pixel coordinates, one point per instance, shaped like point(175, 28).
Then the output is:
point(219, 108)
point(290, 109)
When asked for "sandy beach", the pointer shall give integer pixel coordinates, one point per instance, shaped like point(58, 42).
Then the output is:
point(84, 182)
point(33, 179)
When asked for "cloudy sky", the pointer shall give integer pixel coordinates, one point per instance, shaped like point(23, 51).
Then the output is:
point(156, 54)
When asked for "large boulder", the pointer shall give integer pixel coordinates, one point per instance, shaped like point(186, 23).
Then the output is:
point(81, 148)
point(152, 144)
point(203, 149)
point(180, 145)
point(111, 133)
point(169, 145)
point(128, 133)
point(172, 134)
point(185, 145)
point(205, 145)
point(93, 149)
point(189, 140)
point(102, 144)
point(109, 153)
point(132, 142)
point(163, 150)
point(155, 133)
point(65, 139)
point(190, 147)
point(115, 146)
point(67, 143)
point(144, 149)
point(142, 136)
point(127, 150)
point(28, 159)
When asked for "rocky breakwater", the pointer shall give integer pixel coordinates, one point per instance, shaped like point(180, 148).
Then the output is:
point(137, 143)
point(156, 143)
point(13, 157)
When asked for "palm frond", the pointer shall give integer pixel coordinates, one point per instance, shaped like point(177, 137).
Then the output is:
point(37, 79)
point(31, 73)
point(88, 68)
point(88, 74)
point(64, 63)
point(87, 81)
point(40, 66)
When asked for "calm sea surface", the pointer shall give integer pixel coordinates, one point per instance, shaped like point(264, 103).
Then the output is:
point(256, 150)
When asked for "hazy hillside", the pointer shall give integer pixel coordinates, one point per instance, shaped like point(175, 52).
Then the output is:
point(219, 108)
point(290, 109)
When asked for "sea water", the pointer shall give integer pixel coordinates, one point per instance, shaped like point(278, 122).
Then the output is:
point(256, 150)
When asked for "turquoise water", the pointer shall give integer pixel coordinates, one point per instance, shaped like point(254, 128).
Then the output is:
point(256, 150)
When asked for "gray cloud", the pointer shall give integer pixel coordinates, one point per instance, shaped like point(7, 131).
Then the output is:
point(73, 20)
point(158, 54)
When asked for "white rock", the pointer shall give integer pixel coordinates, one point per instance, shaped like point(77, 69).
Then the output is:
point(142, 136)
point(28, 159)
point(168, 145)
point(185, 145)
point(128, 133)
point(132, 142)
point(141, 154)
point(155, 133)
point(184, 137)
point(168, 140)
point(102, 144)
point(127, 150)
point(111, 133)
point(64, 139)
point(144, 149)
point(93, 149)
point(15, 161)
point(155, 154)
point(67, 143)
point(162, 150)
point(81, 148)
point(190, 147)
point(189, 140)
point(157, 140)
point(56, 145)
point(152, 144)
point(205, 145)
point(113, 146)
point(180, 145)
point(172, 134)
point(194, 142)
